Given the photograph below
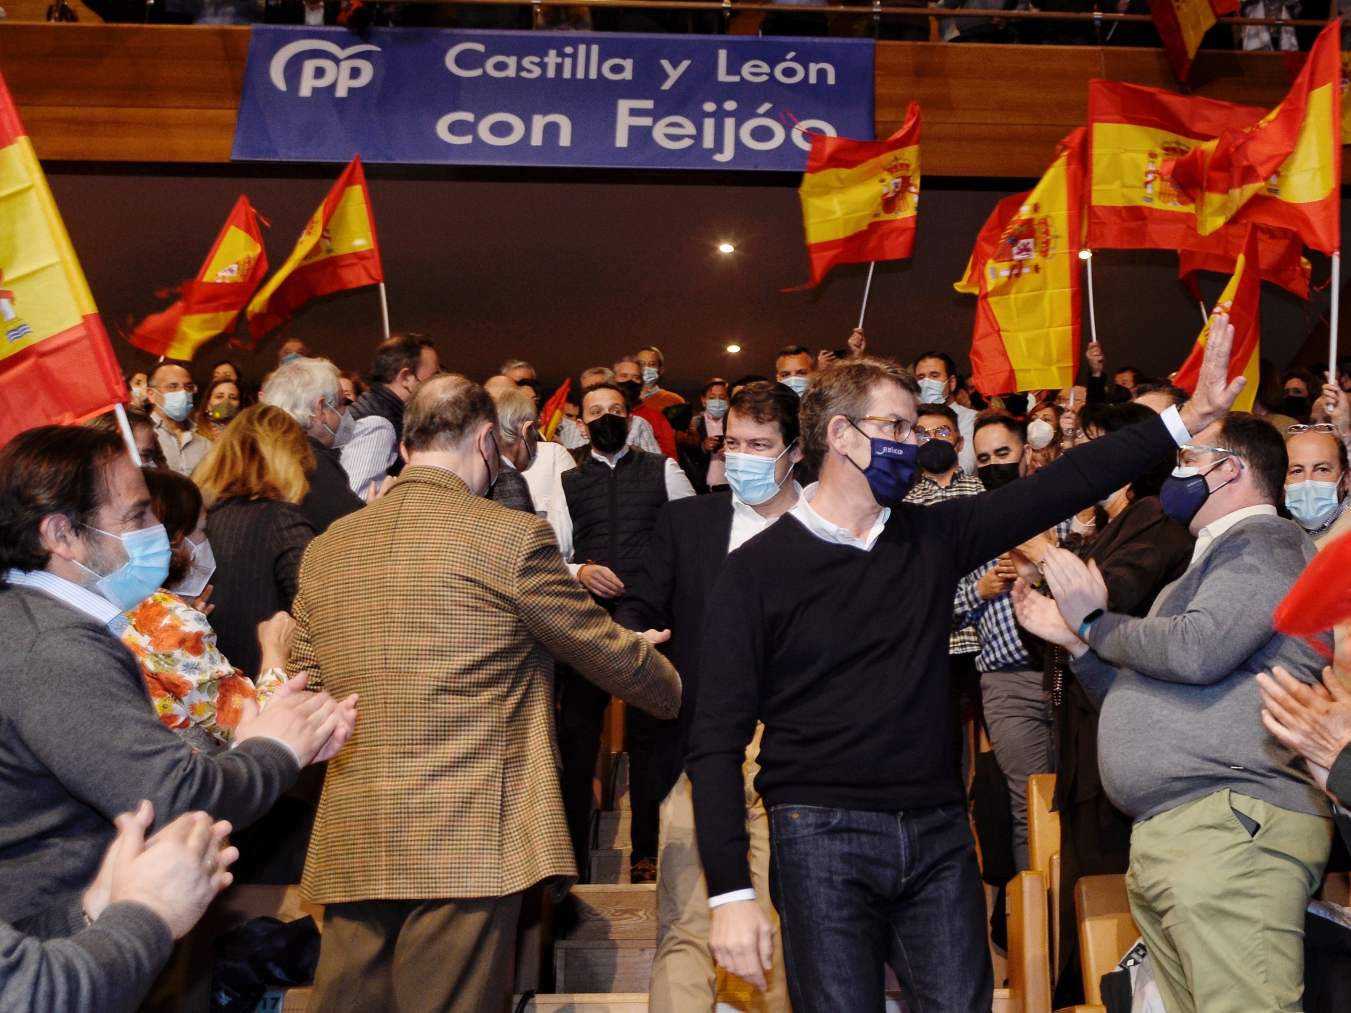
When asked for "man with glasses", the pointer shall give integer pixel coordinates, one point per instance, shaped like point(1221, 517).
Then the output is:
point(831, 627)
point(171, 394)
point(1230, 833)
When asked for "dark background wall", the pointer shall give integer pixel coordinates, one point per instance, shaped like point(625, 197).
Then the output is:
point(566, 270)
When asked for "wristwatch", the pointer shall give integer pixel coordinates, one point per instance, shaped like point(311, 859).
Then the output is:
point(1089, 620)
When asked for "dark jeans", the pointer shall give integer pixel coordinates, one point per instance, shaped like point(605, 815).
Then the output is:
point(856, 890)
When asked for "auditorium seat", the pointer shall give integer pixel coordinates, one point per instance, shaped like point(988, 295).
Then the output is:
point(1029, 966)
point(1106, 932)
point(1043, 847)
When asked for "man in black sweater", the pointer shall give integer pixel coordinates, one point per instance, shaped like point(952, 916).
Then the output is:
point(831, 628)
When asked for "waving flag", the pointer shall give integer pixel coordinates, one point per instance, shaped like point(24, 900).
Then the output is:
point(1241, 299)
point(1287, 169)
point(552, 412)
point(1183, 23)
point(337, 251)
point(56, 364)
point(212, 301)
point(1026, 335)
point(1134, 131)
point(860, 198)
point(987, 240)
point(1280, 257)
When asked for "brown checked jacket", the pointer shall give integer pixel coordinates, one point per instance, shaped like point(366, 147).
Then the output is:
point(444, 611)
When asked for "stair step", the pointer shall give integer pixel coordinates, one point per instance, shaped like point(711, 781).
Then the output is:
point(610, 865)
point(614, 829)
point(615, 911)
point(603, 965)
point(636, 1002)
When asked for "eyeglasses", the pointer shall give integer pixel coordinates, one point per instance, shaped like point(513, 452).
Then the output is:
point(898, 429)
point(1187, 453)
point(1317, 427)
point(170, 388)
point(942, 432)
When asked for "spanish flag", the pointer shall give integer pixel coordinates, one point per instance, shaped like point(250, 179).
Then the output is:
point(1240, 299)
point(1287, 169)
point(986, 241)
point(1183, 23)
point(212, 301)
point(860, 198)
point(56, 363)
point(1026, 335)
point(1280, 257)
point(1134, 131)
point(337, 251)
point(552, 412)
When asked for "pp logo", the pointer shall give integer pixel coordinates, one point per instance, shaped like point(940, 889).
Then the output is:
point(338, 68)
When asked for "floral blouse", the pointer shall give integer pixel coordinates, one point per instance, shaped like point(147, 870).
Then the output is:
point(194, 689)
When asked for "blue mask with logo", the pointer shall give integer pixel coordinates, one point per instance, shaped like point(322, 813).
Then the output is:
point(148, 552)
point(891, 472)
point(1312, 504)
point(1185, 492)
point(752, 476)
point(797, 384)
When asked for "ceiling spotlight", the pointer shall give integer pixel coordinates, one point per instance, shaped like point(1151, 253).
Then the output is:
point(733, 348)
point(726, 248)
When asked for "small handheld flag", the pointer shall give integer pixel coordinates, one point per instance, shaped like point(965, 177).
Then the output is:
point(1241, 299)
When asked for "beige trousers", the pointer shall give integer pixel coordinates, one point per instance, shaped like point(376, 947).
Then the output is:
point(1218, 888)
point(684, 977)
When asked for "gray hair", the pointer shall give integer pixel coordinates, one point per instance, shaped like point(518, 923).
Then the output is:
point(605, 374)
point(445, 410)
point(515, 410)
point(511, 364)
point(294, 387)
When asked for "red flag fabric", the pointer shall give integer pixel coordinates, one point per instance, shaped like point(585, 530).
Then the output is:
point(56, 363)
point(1321, 598)
point(1183, 23)
point(1241, 299)
point(213, 300)
point(1280, 256)
point(987, 240)
point(337, 251)
point(552, 412)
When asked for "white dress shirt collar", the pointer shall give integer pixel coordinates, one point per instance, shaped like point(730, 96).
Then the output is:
point(829, 532)
point(606, 461)
point(1207, 535)
point(747, 522)
point(92, 604)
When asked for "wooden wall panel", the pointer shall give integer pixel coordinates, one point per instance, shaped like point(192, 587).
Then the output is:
point(131, 93)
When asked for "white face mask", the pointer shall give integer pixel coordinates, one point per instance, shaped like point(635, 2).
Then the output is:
point(199, 573)
point(1040, 433)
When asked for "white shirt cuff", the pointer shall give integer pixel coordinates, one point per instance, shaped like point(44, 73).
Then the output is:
point(1172, 418)
point(730, 898)
point(574, 568)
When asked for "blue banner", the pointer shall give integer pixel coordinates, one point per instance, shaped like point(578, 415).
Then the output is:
point(549, 98)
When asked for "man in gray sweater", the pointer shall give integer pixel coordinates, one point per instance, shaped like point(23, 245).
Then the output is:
point(79, 738)
point(1231, 835)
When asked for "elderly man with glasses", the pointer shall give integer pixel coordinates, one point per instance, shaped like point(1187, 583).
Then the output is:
point(1230, 832)
point(170, 397)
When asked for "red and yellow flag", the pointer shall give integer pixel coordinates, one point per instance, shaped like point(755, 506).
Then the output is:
point(1241, 299)
point(552, 412)
point(860, 198)
point(56, 363)
point(1280, 257)
point(1183, 23)
point(1287, 169)
point(1134, 130)
point(1026, 335)
point(212, 301)
point(337, 251)
point(986, 241)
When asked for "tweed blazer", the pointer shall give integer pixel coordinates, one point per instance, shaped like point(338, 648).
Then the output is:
point(444, 611)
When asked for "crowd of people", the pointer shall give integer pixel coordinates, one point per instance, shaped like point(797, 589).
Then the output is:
point(361, 632)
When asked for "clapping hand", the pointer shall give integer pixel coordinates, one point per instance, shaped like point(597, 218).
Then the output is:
point(1038, 614)
point(1078, 587)
point(1312, 719)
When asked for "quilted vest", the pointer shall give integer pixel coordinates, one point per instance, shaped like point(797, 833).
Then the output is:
point(614, 510)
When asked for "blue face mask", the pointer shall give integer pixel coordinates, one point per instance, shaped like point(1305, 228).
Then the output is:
point(716, 407)
point(143, 573)
point(797, 384)
point(932, 391)
point(752, 476)
point(1313, 504)
point(891, 473)
point(650, 375)
point(178, 405)
point(1185, 492)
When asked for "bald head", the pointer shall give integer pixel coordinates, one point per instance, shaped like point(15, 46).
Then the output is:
point(445, 411)
point(498, 385)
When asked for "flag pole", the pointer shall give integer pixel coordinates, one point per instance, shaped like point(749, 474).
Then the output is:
point(1205, 317)
point(124, 426)
point(1087, 257)
point(384, 310)
point(1334, 315)
point(867, 287)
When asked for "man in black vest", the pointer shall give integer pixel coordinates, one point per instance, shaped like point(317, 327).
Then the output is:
point(368, 439)
point(611, 501)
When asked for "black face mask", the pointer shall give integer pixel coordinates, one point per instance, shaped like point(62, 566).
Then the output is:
point(1295, 406)
point(996, 476)
point(632, 390)
point(608, 433)
point(937, 457)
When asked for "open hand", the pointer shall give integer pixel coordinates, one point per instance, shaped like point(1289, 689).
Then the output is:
point(1215, 393)
point(742, 940)
point(1078, 587)
point(1313, 719)
point(1039, 616)
point(600, 581)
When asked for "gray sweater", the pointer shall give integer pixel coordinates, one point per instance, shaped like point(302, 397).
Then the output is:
point(106, 967)
point(80, 743)
point(1181, 712)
